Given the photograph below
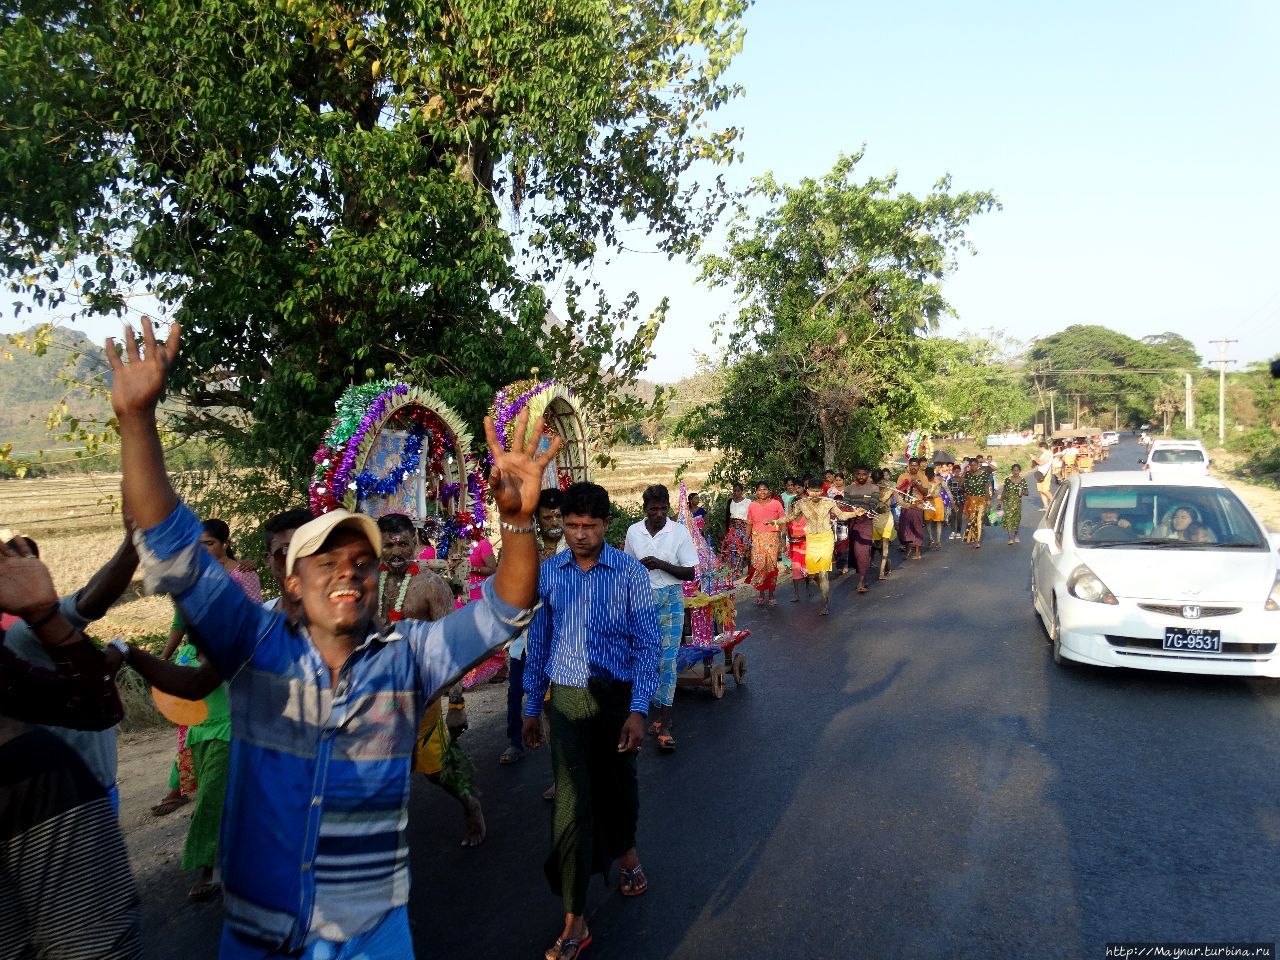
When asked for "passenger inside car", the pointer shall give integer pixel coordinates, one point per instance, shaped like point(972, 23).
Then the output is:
point(1177, 522)
point(1199, 533)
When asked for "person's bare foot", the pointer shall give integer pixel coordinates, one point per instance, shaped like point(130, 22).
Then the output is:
point(170, 802)
point(475, 822)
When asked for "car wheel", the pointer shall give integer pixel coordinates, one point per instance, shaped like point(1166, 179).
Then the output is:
point(1055, 636)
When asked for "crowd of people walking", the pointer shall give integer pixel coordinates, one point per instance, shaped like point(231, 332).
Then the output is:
point(307, 712)
point(816, 528)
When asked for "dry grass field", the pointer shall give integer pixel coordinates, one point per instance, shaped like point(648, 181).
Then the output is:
point(76, 522)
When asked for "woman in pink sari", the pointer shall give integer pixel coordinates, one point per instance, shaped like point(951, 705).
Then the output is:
point(764, 517)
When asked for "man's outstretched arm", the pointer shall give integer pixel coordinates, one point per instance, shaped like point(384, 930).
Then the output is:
point(138, 380)
point(106, 586)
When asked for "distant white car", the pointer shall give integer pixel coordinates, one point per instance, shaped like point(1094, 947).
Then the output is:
point(1177, 458)
point(1110, 438)
point(1176, 575)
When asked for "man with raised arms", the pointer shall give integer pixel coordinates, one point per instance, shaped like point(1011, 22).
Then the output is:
point(325, 710)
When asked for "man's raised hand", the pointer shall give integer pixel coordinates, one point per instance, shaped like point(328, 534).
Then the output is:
point(138, 378)
point(516, 478)
point(26, 588)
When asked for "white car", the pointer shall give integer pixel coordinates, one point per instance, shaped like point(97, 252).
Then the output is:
point(1110, 438)
point(1177, 458)
point(1176, 575)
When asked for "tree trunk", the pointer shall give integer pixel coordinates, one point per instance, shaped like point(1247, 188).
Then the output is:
point(829, 442)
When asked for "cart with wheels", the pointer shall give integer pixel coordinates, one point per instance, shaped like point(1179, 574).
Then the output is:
point(711, 656)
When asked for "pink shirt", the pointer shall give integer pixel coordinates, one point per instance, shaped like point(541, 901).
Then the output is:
point(759, 514)
point(479, 553)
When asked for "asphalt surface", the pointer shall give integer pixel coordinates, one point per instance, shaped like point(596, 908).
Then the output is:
point(911, 777)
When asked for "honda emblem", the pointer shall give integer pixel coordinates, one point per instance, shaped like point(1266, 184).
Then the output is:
point(1191, 612)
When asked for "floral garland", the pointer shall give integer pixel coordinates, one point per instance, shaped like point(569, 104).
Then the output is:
point(536, 397)
point(433, 431)
point(397, 611)
point(361, 412)
point(465, 524)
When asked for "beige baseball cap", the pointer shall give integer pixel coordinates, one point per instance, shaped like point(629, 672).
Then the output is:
point(310, 537)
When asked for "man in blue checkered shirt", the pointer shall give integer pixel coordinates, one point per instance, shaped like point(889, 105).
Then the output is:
point(325, 707)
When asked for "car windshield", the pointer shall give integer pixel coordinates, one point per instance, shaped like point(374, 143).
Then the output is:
point(1165, 517)
point(1168, 455)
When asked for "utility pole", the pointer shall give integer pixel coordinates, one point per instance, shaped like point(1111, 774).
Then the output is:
point(1222, 362)
point(1053, 419)
point(1189, 406)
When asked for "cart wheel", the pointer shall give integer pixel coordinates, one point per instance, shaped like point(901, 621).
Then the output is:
point(739, 668)
point(718, 681)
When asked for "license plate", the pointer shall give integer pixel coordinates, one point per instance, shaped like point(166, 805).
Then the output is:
point(1195, 639)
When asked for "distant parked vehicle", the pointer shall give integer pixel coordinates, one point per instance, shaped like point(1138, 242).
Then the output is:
point(1110, 438)
point(1177, 458)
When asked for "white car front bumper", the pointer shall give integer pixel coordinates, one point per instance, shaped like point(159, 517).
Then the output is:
point(1131, 634)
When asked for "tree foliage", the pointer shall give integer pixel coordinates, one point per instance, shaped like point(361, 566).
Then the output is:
point(322, 192)
point(1094, 350)
point(836, 281)
point(980, 385)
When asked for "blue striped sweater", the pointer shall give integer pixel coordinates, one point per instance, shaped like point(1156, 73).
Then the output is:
point(313, 842)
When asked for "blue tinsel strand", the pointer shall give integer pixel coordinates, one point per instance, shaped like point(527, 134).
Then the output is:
point(368, 483)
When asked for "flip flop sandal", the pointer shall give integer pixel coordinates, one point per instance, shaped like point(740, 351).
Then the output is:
point(655, 728)
point(863, 589)
point(574, 948)
point(666, 743)
point(511, 755)
point(633, 882)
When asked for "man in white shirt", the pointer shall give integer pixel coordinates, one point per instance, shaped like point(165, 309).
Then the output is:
point(666, 550)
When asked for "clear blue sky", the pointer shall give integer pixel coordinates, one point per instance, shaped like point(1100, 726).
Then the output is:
point(1134, 145)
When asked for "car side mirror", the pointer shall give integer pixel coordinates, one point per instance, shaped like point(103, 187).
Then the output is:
point(1045, 536)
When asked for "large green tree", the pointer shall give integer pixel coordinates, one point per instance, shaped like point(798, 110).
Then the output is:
point(1109, 373)
point(322, 191)
point(836, 280)
point(980, 385)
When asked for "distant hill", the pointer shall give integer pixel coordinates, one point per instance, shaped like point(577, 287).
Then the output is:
point(30, 386)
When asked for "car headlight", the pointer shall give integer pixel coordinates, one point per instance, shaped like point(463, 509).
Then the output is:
point(1273, 599)
point(1084, 584)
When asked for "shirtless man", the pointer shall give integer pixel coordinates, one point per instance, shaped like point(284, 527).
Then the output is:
point(819, 512)
point(407, 592)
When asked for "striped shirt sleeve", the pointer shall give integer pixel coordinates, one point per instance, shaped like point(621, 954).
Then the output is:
point(646, 641)
point(538, 649)
point(228, 623)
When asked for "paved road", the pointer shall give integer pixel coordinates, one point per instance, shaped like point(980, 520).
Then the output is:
point(910, 777)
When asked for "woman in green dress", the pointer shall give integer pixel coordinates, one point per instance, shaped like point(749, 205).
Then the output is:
point(1015, 488)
